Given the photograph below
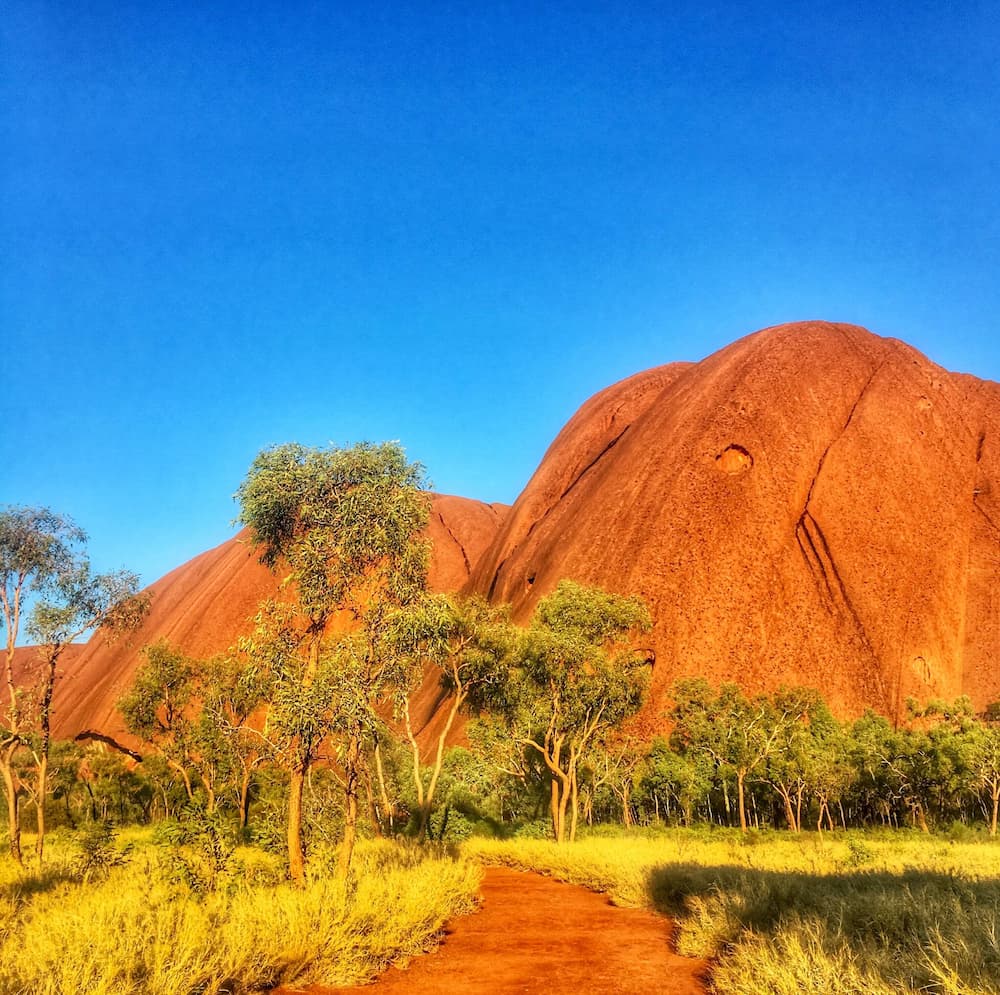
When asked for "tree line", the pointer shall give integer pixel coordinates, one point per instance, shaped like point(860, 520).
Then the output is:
point(315, 709)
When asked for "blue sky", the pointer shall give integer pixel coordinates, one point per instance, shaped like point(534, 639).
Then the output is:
point(224, 226)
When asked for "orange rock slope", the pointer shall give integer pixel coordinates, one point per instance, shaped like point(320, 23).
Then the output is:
point(204, 605)
point(811, 505)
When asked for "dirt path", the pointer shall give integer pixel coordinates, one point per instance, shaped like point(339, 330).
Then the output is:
point(534, 934)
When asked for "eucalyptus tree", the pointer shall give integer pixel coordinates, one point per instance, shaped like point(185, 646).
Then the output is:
point(161, 707)
point(34, 545)
point(76, 602)
point(685, 778)
point(739, 734)
point(985, 766)
point(42, 556)
point(576, 676)
point(468, 642)
point(345, 528)
point(788, 766)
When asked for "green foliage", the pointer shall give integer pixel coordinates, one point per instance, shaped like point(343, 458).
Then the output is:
point(467, 639)
point(347, 525)
point(346, 521)
point(99, 852)
point(44, 554)
point(199, 848)
point(154, 708)
point(575, 678)
point(745, 737)
point(684, 778)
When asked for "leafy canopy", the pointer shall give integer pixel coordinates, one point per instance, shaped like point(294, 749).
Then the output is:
point(347, 523)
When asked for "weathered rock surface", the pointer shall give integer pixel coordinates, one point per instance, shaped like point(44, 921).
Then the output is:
point(811, 505)
point(204, 605)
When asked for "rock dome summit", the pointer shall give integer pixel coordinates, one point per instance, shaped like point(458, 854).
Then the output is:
point(812, 505)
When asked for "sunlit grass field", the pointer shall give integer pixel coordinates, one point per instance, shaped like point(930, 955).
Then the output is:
point(155, 927)
point(775, 913)
point(852, 912)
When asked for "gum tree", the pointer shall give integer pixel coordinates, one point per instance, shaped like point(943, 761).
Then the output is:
point(76, 602)
point(985, 765)
point(34, 545)
point(576, 678)
point(738, 734)
point(42, 556)
point(344, 526)
point(468, 642)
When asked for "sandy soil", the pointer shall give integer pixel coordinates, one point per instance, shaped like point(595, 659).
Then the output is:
point(534, 934)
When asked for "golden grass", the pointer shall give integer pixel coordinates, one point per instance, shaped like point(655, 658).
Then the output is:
point(783, 914)
point(139, 932)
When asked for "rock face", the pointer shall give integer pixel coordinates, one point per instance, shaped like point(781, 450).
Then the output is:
point(204, 605)
point(811, 505)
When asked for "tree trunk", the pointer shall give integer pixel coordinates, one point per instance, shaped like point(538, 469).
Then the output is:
point(42, 766)
point(383, 793)
point(41, 788)
point(351, 776)
point(996, 808)
point(575, 803)
point(554, 808)
point(245, 799)
point(789, 811)
point(189, 791)
point(423, 809)
point(564, 796)
point(209, 795)
point(741, 802)
point(296, 856)
point(373, 813)
point(13, 791)
point(439, 762)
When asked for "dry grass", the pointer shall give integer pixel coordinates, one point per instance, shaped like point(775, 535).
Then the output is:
point(783, 914)
point(141, 931)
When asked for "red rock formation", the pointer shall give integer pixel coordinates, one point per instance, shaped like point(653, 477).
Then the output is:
point(204, 605)
point(810, 505)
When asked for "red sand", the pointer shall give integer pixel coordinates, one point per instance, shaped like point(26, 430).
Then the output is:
point(536, 935)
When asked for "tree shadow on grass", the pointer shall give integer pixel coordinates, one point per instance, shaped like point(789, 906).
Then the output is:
point(37, 881)
point(886, 918)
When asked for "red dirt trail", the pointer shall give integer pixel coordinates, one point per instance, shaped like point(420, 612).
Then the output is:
point(536, 935)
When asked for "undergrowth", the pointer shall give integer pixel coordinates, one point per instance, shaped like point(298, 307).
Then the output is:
point(148, 924)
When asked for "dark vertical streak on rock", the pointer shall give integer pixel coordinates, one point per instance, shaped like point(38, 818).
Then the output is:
point(496, 577)
point(590, 466)
point(821, 562)
point(454, 539)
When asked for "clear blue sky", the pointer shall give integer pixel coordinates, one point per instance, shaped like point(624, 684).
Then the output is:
point(229, 225)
